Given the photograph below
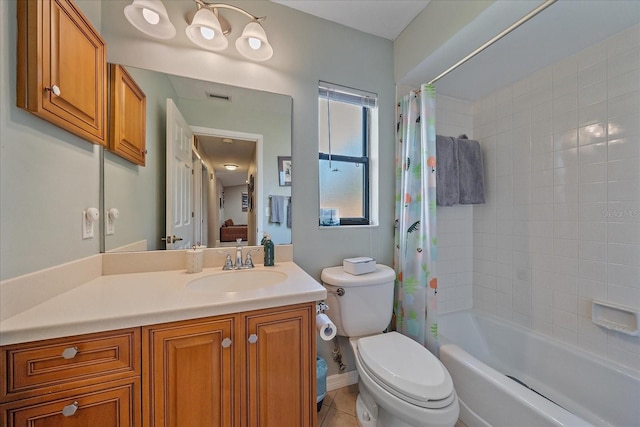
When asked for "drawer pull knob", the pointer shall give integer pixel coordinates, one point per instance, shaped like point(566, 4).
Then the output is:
point(226, 343)
point(55, 89)
point(69, 410)
point(253, 338)
point(70, 352)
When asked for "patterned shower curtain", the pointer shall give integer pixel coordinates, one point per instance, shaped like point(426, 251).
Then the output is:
point(416, 285)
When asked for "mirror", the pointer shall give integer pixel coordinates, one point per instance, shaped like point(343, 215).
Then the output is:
point(231, 126)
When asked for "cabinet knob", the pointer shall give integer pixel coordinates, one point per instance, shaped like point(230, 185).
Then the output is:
point(70, 352)
point(54, 89)
point(253, 338)
point(226, 343)
point(69, 410)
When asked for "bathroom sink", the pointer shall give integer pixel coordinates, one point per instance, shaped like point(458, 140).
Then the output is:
point(237, 281)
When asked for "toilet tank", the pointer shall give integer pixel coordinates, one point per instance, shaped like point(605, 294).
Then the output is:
point(366, 305)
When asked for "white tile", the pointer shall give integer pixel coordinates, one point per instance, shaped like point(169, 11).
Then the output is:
point(625, 254)
point(565, 121)
point(565, 69)
point(594, 172)
point(566, 177)
point(623, 84)
point(623, 41)
point(627, 104)
point(621, 126)
point(565, 283)
point(565, 212)
point(592, 289)
point(565, 158)
point(521, 87)
point(565, 229)
point(620, 232)
point(626, 211)
point(623, 295)
point(593, 133)
point(565, 266)
point(566, 102)
point(623, 275)
point(592, 94)
point(593, 153)
point(623, 190)
point(565, 140)
point(541, 112)
point(623, 63)
point(592, 55)
point(625, 170)
point(565, 302)
point(593, 212)
point(567, 193)
point(594, 251)
point(593, 192)
point(593, 231)
point(593, 270)
point(596, 73)
point(593, 113)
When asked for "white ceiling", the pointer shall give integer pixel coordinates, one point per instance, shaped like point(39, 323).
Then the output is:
point(565, 28)
point(382, 18)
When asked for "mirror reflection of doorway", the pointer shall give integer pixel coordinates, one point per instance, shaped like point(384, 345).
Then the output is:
point(233, 163)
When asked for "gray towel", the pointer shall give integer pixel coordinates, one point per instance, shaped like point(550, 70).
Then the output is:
point(289, 214)
point(277, 209)
point(471, 172)
point(447, 193)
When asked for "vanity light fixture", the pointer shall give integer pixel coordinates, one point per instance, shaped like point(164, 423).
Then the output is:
point(151, 18)
point(208, 28)
point(230, 167)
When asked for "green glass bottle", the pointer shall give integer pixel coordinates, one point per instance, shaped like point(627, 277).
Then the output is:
point(269, 251)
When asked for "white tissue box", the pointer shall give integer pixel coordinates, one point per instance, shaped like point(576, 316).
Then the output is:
point(359, 265)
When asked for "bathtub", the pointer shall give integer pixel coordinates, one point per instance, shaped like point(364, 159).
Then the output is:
point(580, 389)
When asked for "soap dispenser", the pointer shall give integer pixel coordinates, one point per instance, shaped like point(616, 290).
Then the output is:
point(268, 251)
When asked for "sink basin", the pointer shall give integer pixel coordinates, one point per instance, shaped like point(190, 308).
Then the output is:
point(237, 281)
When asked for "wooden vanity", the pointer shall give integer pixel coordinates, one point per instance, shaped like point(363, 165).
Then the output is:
point(236, 367)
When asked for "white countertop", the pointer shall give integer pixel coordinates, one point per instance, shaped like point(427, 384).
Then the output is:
point(127, 300)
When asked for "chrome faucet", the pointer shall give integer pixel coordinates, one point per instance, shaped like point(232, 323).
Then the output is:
point(238, 265)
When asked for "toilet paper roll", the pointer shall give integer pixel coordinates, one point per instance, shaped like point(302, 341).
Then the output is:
point(194, 260)
point(325, 327)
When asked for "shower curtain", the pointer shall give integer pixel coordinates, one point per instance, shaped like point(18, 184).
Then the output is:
point(416, 285)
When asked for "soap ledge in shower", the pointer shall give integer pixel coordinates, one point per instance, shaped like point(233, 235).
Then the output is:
point(616, 317)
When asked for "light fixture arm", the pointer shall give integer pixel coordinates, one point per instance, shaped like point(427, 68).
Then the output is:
point(214, 6)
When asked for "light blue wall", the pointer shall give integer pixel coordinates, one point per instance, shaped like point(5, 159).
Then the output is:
point(307, 50)
point(47, 175)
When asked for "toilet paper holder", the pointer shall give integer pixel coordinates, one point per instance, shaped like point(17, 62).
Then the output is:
point(321, 307)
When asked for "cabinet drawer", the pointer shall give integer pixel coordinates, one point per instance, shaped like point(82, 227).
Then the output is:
point(69, 362)
point(114, 404)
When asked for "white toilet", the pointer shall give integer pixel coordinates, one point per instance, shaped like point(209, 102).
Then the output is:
point(401, 383)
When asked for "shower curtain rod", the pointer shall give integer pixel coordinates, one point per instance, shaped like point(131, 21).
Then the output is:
point(503, 33)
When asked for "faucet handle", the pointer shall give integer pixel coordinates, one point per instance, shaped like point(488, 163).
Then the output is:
point(228, 262)
point(249, 262)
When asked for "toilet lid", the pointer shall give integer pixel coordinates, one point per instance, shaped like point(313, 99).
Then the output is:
point(405, 368)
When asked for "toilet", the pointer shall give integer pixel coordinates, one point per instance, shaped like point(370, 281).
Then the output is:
point(401, 383)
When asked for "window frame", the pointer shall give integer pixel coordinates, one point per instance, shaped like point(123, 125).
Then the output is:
point(367, 103)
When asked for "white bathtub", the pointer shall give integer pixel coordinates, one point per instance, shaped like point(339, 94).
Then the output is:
point(480, 350)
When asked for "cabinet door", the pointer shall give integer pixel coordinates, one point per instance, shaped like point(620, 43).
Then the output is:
point(108, 406)
point(189, 374)
point(127, 116)
point(62, 68)
point(280, 360)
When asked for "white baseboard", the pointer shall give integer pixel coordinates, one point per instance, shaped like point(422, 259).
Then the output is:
point(341, 380)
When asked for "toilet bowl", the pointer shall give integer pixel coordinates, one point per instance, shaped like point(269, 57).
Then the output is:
point(401, 383)
point(409, 385)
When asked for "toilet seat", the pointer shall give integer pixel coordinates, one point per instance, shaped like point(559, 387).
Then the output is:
point(406, 369)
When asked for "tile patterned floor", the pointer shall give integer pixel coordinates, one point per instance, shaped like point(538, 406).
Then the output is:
point(339, 408)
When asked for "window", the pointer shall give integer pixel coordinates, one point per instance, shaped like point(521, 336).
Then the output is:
point(347, 124)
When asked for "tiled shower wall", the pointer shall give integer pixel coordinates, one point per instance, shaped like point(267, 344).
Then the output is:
point(561, 225)
point(455, 223)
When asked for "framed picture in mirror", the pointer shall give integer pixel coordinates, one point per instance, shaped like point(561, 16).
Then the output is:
point(284, 171)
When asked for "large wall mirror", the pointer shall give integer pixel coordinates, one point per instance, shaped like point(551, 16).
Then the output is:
point(234, 186)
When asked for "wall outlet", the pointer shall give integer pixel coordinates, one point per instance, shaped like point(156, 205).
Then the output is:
point(89, 217)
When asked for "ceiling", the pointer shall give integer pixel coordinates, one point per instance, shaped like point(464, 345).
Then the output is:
point(563, 29)
point(382, 18)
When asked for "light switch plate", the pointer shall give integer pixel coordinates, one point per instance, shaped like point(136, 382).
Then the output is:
point(87, 227)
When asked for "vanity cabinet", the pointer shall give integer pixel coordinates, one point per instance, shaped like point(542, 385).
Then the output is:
point(127, 116)
point(62, 68)
point(249, 369)
point(84, 380)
